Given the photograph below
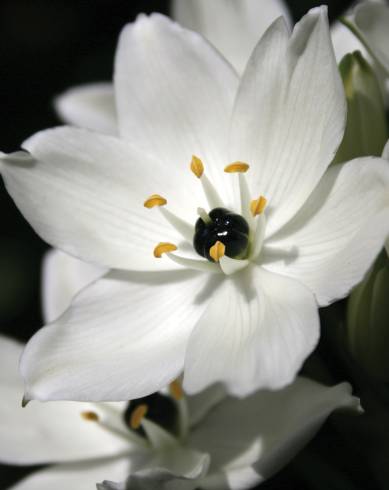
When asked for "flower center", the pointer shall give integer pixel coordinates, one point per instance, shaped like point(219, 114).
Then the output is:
point(226, 227)
point(228, 240)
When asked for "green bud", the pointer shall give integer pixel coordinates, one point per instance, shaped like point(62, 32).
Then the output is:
point(366, 128)
point(367, 320)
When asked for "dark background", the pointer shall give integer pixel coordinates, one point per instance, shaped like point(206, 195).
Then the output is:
point(47, 46)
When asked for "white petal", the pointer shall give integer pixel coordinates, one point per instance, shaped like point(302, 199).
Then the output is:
point(89, 106)
point(344, 41)
point(290, 114)
point(62, 277)
point(43, 433)
point(179, 461)
point(200, 404)
point(233, 27)
point(372, 19)
point(124, 337)
point(84, 193)
point(174, 96)
point(385, 153)
point(267, 430)
point(339, 231)
point(256, 332)
point(82, 476)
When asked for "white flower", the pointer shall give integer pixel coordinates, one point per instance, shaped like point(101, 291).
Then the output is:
point(88, 443)
point(385, 155)
point(63, 276)
point(234, 28)
point(136, 329)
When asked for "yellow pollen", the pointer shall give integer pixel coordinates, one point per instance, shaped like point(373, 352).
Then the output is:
point(163, 248)
point(154, 200)
point(176, 390)
point(90, 416)
point(217, 251)
point(138, 415)
point(237, 167)
point(257, 206)
point(197, 167)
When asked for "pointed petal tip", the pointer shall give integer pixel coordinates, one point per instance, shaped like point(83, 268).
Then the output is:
point(25, 401)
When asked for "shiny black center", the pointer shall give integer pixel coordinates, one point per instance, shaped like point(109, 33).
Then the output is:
point(161, 409)
point(225, 226)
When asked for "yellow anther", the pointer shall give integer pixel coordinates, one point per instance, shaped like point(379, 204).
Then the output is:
point(237, 167)
point(154, 200)
point(217, 251)
point(176, 390)
point(257, 206)
point(197, 167)
point(163, 248)
point(137, 416)
point(90, 416)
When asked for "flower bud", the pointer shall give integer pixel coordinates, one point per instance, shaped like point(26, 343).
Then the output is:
point(366, 128)
point(367, 320)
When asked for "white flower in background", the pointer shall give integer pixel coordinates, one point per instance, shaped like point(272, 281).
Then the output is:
point(385, 155)
point(234, 28)
point(88, 443)
point(248, 315)
point(367, 32)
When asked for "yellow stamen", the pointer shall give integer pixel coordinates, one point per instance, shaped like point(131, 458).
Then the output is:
point(90, 416)
point(237, 167)
point(154, 200)
point(257, 206)
point(138, 415)
point(197, 167)
point(176, 390)
point(163, 248)
point(217, 251)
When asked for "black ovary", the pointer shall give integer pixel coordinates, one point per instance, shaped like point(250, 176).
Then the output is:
point(226, 227)
point(162, 410)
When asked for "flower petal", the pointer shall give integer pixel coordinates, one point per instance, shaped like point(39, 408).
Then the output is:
point(233, 27)
point(256, 332)
point(84, 193)
point(344, 41)
point(289, 115)
point(174, 95)
point(267, 428)
point(45, 433)
point(338, 232)
point(89, 106)
point(372, 19)
point(77, 475)
point(124, 337)
point(62, 277)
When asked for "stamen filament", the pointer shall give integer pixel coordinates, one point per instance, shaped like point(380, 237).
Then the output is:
point(213, 198)
point(203, 215)
point(258, 236)
point(230, 266)
point(127, 435)
point(211, 193)
point(199, 265)
point(184, 229)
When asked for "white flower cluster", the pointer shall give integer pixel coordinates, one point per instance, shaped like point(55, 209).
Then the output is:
point(197, 194)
